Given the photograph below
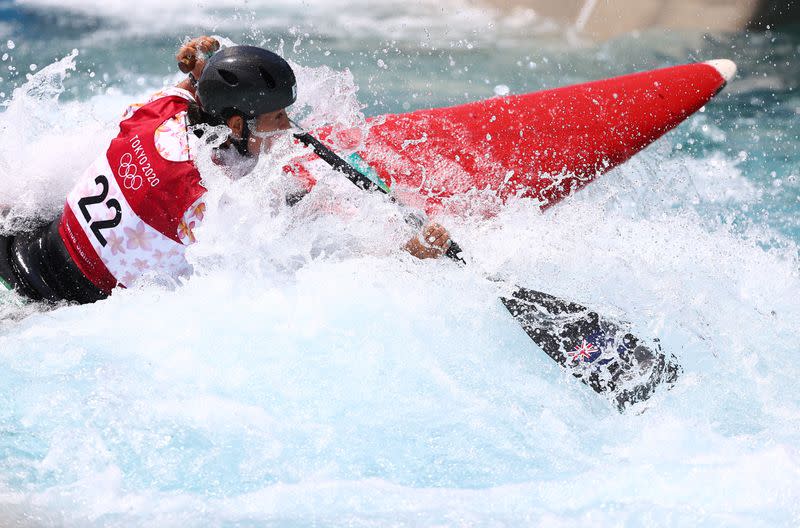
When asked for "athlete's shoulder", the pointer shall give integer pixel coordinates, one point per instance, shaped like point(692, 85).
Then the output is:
point(170, 91)
point(171, 137)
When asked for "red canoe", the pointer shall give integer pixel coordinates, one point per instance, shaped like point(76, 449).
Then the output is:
point(543, 145)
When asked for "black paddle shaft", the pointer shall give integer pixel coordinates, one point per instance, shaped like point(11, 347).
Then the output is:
point(363, 182)
point(596, 350)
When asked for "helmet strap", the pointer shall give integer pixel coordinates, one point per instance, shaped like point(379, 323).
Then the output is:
point(240, 144)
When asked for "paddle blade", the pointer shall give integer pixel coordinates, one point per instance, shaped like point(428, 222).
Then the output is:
point(599, 352)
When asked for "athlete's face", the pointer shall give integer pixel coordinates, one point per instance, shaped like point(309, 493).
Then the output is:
point(260, 139)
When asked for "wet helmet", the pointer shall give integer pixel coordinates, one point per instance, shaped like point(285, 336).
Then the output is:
point(248, 79)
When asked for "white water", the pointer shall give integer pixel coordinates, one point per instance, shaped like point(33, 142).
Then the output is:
point(311, 372)
point(328, 18)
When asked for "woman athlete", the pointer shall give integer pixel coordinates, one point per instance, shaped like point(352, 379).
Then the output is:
point(133, 210)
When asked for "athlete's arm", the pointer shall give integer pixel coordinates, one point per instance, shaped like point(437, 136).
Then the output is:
point(432, 242)
point(192, 59)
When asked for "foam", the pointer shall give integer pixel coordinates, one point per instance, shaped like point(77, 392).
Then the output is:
point(442, 21)
point(312, 372)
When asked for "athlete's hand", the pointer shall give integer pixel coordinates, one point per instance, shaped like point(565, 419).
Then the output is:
point(433, 242)
point(192, 55)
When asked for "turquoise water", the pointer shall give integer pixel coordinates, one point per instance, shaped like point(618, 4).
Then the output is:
point(309, 373)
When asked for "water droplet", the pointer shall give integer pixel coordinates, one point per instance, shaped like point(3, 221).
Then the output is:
point(501, 90)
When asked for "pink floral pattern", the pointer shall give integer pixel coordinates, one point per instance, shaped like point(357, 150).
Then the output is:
point(185, 231)
point(115, 243)
point(131, 110)
point(172, 140)
point(191, 219)
point(139, 238)
point(128, 279)
point(199, 211)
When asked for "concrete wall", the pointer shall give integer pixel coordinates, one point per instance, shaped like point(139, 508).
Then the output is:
point(606, 18)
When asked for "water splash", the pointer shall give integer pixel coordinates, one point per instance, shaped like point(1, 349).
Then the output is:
point(45, 145)
point(311, 372)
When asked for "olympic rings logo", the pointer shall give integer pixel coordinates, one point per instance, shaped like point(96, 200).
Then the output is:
point(128, 171)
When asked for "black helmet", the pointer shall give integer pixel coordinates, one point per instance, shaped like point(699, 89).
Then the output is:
point(251, 80)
